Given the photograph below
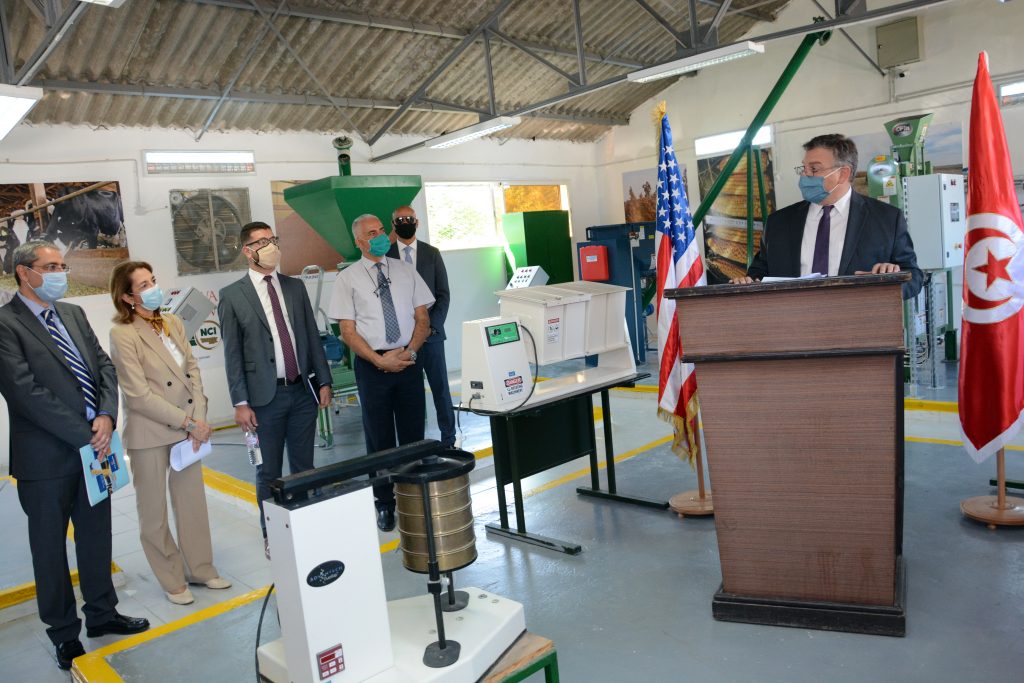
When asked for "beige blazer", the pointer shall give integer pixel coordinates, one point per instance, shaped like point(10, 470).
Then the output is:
point(157, 392)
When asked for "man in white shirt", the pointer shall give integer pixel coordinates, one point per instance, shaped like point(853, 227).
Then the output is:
point(277, 370)
point(834, 231)
point(381, 306)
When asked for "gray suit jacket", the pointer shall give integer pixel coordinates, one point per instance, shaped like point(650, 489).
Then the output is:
point(430, 266)
point(44, 398)
point(249, 344)
point(876, 232)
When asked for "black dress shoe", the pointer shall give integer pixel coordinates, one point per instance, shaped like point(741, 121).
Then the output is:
point(386, 517)
point(119, 625)
point(67, 651)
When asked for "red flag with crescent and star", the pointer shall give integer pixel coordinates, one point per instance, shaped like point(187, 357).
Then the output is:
point(991, 397)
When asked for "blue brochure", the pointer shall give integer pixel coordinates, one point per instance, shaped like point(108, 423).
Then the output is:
point(105, 475)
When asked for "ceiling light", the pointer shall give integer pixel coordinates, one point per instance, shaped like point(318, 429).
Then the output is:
point(477, 130)
point(199, 162)
point(15, 102)
point(107, 3)
point(727, 142)
point(697, 61)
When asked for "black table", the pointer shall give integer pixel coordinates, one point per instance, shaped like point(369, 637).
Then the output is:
point(536, 438)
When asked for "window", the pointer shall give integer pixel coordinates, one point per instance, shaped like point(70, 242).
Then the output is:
point(468, 215)
point(726, 142)
point(1011, 93)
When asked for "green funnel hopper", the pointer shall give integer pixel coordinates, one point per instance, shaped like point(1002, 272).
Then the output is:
point(330, 205)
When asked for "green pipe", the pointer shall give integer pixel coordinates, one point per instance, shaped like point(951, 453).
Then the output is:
point(762, 115)
point(750, 205)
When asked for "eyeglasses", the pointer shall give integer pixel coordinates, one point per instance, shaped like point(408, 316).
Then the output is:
point(262, 242)
point(812, 170)
point(53, 268)
point(404, 220)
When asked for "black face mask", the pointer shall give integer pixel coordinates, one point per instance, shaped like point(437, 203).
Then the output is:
point(405, 228)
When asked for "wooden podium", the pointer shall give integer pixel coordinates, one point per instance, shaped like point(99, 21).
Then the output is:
point(801, 394)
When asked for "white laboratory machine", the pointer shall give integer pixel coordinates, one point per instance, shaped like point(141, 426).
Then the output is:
point(189, 304)
point(543, 326)
point(336, 623)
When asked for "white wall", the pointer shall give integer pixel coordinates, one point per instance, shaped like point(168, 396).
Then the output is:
point(55, 154)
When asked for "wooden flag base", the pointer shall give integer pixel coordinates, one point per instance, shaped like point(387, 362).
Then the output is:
point(987, 509)
point(997, 510)
point(690, 503)
point(693, 503)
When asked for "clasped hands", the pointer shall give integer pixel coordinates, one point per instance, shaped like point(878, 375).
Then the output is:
point(394, 360)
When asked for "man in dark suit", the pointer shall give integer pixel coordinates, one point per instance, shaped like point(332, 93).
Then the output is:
point(430, 266)
point(277, 371)
point(834, 231)
point(61, 391)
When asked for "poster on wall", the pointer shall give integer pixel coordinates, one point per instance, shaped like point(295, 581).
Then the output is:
point(301, 245)
point(943, 146)
point(725, 224)
point(84, 219)
point(206, 226)
point(639, 200)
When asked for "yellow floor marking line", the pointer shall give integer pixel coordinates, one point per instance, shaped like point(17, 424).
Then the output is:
point(933, 406)
point(484, 453)
point(601, 465)
point(950, 442)
point(225, 483)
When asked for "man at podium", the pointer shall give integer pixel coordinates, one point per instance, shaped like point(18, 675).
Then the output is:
point(834, 230)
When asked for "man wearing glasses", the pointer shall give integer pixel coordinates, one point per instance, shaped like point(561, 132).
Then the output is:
point(429, 264)
point(277, 370)
point(381, 306)
point(61, 391)
point(834, 231)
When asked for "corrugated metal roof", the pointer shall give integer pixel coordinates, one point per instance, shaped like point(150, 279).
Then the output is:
point(196, 47)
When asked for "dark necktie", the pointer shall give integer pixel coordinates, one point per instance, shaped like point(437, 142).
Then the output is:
point(820, 262)
point(78, 368)
point(291, 366)
point(391, 329)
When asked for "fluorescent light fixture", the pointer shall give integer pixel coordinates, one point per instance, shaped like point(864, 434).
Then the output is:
point(477, 130)
point(159, 162)
point(15, 102)
point(107, 3)
point(697, 61)
point(727, 142)
point(1011, 93)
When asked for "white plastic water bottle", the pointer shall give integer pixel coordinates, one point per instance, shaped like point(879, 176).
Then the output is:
point(252, 445)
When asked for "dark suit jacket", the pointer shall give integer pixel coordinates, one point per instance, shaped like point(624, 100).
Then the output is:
point(249, 344)
point(430, 266)
point(876, 232)
point(44, 398)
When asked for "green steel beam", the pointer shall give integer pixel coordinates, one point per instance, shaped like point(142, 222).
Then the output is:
point(759, 119)
point(750, 205)
point(763, 202)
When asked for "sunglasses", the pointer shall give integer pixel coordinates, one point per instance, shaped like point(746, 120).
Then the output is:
point(404, 220)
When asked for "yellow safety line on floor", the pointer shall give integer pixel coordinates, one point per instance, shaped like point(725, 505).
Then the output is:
point(601, 465)
point(225, 483)
point(933, 406)
point(950, 442)
point(483, 453)
point(27, 591)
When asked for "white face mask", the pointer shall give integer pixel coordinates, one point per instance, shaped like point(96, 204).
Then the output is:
point(268, 256)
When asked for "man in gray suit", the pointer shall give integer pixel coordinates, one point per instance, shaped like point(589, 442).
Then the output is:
point(277, 371)
point(430, 266)
point(61, 391)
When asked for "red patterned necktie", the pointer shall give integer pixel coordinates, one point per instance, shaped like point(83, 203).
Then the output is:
point(291, 366)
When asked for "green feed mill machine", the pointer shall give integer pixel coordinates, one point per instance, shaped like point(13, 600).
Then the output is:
point(330, 205)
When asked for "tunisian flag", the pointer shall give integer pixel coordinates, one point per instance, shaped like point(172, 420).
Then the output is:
point(992, 358)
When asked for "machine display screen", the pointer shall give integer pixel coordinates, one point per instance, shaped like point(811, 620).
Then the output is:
point(502, 334)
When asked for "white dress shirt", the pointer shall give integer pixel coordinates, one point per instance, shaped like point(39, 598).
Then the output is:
point(412, 250)
point(836, 235)
point(268, 310)
point(355, 297)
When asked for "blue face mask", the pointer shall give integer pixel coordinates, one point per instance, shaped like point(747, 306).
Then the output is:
point(55, 286)
point(812, 187)
point(152, 298)
point(379, 245)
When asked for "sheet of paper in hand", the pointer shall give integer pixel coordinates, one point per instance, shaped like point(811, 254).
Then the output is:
point(105, 475)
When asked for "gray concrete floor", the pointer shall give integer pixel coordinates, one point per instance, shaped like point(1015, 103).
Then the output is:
point(635, 605)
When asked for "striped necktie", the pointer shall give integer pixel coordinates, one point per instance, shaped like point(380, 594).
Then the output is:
point(78, 367)
point(392, 331)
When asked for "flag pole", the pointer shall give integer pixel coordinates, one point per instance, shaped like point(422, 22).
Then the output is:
point(696, 503)
point(997, 510)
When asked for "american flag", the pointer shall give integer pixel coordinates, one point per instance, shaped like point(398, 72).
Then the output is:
point(679, 265)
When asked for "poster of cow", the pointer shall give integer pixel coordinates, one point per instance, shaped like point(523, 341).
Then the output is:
point(84, 219)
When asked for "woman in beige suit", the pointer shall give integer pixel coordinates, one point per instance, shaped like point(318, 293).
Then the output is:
point(163, 404)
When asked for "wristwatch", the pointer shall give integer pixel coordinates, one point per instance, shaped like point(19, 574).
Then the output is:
point(190, 425)
point(412, 354)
